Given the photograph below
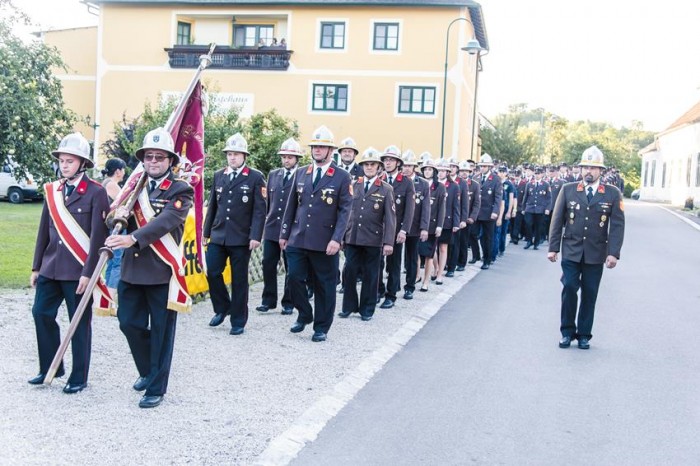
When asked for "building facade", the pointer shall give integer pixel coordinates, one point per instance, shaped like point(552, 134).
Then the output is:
point(372, 70)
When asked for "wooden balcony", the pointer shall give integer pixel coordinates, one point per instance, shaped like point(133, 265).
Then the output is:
point(228, 58)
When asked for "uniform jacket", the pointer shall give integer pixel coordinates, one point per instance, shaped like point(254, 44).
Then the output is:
point(355, 171)
point(437, 206)
point(453, 205)
point(171, 201)
point(587, 232)
point(491, 197)
point(277, 198)
point(537, 197)
point(555, 185)
point(463, 199)
point(421, 211)
point(236, 213)
point(89, 205)
point(474, 191)
point(521, 194)
point(373, 219)
point(315, 216)
point(404, 195)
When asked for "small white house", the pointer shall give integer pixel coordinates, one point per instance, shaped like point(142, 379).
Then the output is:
point(671, 164)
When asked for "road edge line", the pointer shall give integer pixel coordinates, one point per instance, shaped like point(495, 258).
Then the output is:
point(689, 222)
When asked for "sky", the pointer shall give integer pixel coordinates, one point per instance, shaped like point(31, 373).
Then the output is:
point(613, 61)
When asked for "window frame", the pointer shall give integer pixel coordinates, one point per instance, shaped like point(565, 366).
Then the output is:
point(178, 35)
point(326, 85)
point(413, 87)
point(320, 22)
point(257, 27)
point(387, 24)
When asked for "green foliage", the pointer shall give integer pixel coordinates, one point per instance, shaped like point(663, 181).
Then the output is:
point(18, 228)
point(265, 133)
point(32, 115)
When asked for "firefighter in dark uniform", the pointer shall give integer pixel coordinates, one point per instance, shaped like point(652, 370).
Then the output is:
point(428, 248)
point(465, 201)
point(418, 230)
point(519, 225)
point(348, 151)
point(404, 194)
point(588, 227)
point(279, 187)
point(313, 228)
point(536, 204)
point(233, 227)
point(491, 198)
point(152, 288)
point(371, 233)
point(470, 239)
point(453, 205)
point(62, 274)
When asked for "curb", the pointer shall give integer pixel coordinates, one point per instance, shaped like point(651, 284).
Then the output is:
point(686, 220)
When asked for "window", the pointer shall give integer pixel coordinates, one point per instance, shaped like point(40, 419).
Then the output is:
point(646, 173)
point(250, 35)
point(687, 174)
point(419, 100)
point(697, 171)
point(332, 35)
point(386, 36)
point(184, 33)
point(653, 173)
point(330, 97)
point(663, 175)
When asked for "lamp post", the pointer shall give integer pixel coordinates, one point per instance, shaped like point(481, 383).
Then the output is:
point(473, 47)
point(476, 87)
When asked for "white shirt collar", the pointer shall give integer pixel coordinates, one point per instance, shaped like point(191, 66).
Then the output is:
point(230, 170)
point(324, 168)
point(594, 186)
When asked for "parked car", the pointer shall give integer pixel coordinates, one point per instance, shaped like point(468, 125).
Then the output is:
point(635, 194)
point(14, 190)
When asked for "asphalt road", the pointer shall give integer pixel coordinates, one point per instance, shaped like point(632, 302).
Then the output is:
point(484, 382)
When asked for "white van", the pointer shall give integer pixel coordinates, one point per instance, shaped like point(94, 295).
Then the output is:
point(17, 191)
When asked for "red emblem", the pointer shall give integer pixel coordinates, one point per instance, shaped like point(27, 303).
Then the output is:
point(165, 185)
point(245, 171)
point(579, 187)
point(399, 177)
point(601, 188)
point(377, 182)
point(330, 171)
point(82, 186)
point(308, 170)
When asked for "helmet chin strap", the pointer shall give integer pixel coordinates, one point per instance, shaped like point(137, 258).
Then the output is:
point(78, 173)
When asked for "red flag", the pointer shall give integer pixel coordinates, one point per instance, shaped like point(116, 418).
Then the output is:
point(188, 134)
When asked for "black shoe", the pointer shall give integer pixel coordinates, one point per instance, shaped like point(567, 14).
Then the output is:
point(297, 327)
point(423, 289)
point(236, 331)
point(528, 245)
point(318, 336)
point(500, 254)
point(387, 304)
point(141, 384)
point(565, 342)
point(264, 308)
point(408, 295)
point(366, 318)
point(535, 248)
point(438, 282)
point(485, 266)
point(583, 343)
point(344, 314)
point(460, 268)
point(287, 311)
point(514, 242)
point(474, 261)
point(37, 379)
point(217, 320)
point(450, 274)
point(71, 388)
point(433, 278)
point(150, 401)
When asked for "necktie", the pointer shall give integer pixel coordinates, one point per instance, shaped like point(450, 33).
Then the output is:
point(347, 168)
point(286, 177)
point(153, 186)
point(232, 176)
point(366, 186)
point(391, 180)
point(483, 179)
point(318, 176)
point(69, 189)
point(590, 194)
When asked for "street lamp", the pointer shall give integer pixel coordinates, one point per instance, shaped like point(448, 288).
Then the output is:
point(473, 48)
point(476, 87)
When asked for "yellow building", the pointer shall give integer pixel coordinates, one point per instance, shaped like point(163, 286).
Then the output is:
point(372, 70)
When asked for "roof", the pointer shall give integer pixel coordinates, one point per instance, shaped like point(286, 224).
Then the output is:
point(652, 147)
point(688, 118)
point(475, 13)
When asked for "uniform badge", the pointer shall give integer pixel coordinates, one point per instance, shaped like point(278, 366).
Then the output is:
point(329, 200)
point(245, 199)
point(602, 224)
point(571, 221)
point(490, 191)
point(622, 205)
point(571, 215)
point(603, 218)
point(578, 206)
point(418, 200)
point(431, 202)
point(263, 191)
point(376, 206)
point(398, 200)
point(178, 204)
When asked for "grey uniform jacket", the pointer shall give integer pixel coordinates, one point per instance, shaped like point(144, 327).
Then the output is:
point(491, 197)
point(404, 194)
point(373, 219)
point(277, 197)
point(421, 211)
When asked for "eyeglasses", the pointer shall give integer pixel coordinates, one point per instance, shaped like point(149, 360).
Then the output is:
point(154, 157)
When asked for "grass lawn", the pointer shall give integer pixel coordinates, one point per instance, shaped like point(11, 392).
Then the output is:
point(18, 226)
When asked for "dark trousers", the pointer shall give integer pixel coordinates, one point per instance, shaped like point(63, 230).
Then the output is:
point(502, 233)
point(393, 268)
point(235, 304)
point(453, 249)
point(149, 328)
point(474, 230)
point(270, 260)
point(323, 270)
point(463, 252)
point(575, 276)
point(534, 227)
point(366, 257)
point(518, 228)
point(486, 228)
point(411, 262)
point(48, 298)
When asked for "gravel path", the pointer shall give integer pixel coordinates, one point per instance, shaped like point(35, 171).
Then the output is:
point(228, 397)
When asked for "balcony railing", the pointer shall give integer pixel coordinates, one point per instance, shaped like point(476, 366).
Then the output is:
point(224, 57)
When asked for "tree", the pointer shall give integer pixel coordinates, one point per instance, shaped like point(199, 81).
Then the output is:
point(33, 118)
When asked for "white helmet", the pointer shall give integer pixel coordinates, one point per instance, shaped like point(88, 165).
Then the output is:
point(290, 147)
point(428, 163)
point(592, 157)
point(486, 160)
point(425, 157)
point(442, 164)
point(409, 158)
point(392, 151)
point(371, 155)
point(322, 136)
point(160, 139)
point(75, 144)
point(453, 161)
point(465, 165)
point(349, 143)
point(236, 143)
